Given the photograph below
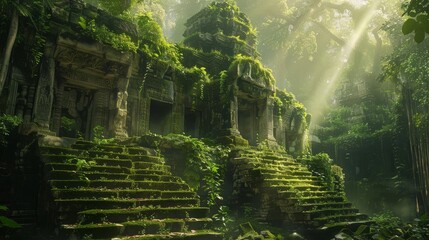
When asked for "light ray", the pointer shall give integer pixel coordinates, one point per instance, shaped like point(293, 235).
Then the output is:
point(331, 77)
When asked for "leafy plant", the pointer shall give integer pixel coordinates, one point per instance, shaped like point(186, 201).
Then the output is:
point(98, 136)
point(6, 222)
point(322, 165)
point(389, 227)
point(7, 124)
point(203, 164)
point(121, 42)
point(223, 219)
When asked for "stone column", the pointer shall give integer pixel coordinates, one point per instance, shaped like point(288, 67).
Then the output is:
point(57, 109)
point(178, 112)
point(100, 109)
point(266, 124)
point(45, 92)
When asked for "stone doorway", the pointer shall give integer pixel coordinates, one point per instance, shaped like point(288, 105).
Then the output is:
point(76, 112)
point(248, 120)
point(192, 122)
point(160, 117)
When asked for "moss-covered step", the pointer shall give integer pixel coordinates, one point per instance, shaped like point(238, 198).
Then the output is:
point(291, 187)
point(104, 193)
point(193, 235)
point(266, 169)
point(321, 213)
point(280, 175)
point(153, 226)
point(319, 193)
point(78, 175)
point(92, 231)
point(101, 147)
point(118, 193)
point(74, 205)
point(317, 199)
point(58, 150)
point(133, 157)
point(93, 168)
point(133, 214)
point(324, 205)
point(77, 159)
point(322, 221)
point(290, 181)
point(121, 184)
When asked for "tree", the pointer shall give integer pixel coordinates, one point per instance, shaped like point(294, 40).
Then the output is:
point(418, 21)
point(16, 9)
point(408, 68)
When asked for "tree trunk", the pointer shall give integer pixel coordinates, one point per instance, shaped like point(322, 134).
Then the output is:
point(13, 31)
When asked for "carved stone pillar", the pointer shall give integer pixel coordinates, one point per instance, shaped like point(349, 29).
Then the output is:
point(120, 119)
point(56, 115)
point(266, 124)
point(178, 113)
point(100, 110)
point(45, 92)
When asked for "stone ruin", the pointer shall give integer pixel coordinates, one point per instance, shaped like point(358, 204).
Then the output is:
point(83, 84)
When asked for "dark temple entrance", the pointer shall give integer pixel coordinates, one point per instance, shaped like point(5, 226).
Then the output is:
point(248, 121)
point(192, 122)
point(76, 112)
point(160, 117)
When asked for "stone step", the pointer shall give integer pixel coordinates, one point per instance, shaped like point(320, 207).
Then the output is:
point(87, 162)
point(323, 213)
point(280, 167)
point(156, 226)
point(119, 193)
point(318, 199)
point(265, 169)
point(113, 148)
point(58, 150)
point(133, 214)
point(321, 221)
point(101, 147)
point(78, 175)
point(290, 187)
point(318, 193)
point(75, 205)
point(291, 182)
point(81, 160)
point(108, 169)
point(94, 231)
point(325, 205)
point(194, 235)
point(133, 157)
point(278, 175)
point(121, 184)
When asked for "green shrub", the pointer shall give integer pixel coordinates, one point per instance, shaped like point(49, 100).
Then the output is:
point(322, 166)
point(7, 124)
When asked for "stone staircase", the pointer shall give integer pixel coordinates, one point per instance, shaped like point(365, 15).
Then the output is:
point(286, 192)
point(112, 191)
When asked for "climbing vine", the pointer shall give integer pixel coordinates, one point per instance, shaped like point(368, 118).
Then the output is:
point(102, 34)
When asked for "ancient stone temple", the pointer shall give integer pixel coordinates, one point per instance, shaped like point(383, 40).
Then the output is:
point(218, 89)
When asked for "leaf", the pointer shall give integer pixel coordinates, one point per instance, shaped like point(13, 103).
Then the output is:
point(7, 222)
point(3, 208)
point(409, 26)
point(420, 36)
point(361, 230)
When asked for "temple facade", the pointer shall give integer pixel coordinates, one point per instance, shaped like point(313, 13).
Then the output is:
point(83, 83)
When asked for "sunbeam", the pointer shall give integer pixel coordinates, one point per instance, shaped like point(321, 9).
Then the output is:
point(332, 76)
